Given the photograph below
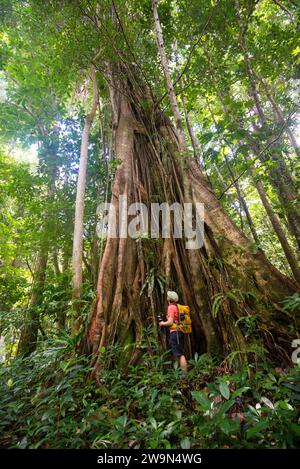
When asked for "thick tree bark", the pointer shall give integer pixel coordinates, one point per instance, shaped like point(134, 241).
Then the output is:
point(150, 149)
point(185, 162)
point(80, 193)
point(120, 309)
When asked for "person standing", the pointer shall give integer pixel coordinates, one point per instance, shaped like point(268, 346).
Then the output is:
point(176, 339)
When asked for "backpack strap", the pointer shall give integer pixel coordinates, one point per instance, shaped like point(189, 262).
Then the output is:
point(178, 321)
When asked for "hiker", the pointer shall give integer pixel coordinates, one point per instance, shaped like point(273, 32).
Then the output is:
point(176, 340)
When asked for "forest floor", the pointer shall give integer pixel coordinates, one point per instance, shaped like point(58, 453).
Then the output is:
point(48, 401)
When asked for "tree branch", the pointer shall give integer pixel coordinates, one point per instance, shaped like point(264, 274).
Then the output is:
point(259, 155)
point(189, 55)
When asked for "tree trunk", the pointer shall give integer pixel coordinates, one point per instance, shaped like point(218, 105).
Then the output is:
point(235, 182)
point(278, 229)
point(79, 207)
point(29, 331)
point(226, 263)
point(243, 203)
point(280, 175)
point(149, 149)
point(279, 114)
point(277, 226)
point(56, 263)
point(185, 163)
point(191, 132)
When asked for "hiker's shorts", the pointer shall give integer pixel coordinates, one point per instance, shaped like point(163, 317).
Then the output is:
point(177, 345)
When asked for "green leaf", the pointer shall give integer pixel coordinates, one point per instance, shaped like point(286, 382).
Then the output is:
point(226, 426)
point(296, 51)
point(185, 443)
point(224, 390)
point(240, 391)
point(10, 383)
point(257, 428)
point(295, 428)
point(226, 406)
point(202, 399)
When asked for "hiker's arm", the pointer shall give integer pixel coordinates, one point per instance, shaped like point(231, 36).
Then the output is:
point(167, 323)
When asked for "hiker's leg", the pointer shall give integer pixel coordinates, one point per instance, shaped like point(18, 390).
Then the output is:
point(183, 363)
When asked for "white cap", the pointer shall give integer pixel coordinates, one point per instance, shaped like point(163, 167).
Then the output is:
point(172, 295)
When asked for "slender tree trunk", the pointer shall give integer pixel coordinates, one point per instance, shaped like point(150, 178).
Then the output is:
point(280, 175)
point(243, 203)
point(278, 229)
point(191, 132)
point(248, 216)
point(56, 263)
point(29, 331)
point(80, 194)
point(291, 258)
point(279, 114)
point(283, 183)
point(231, 197)
point(235, 182)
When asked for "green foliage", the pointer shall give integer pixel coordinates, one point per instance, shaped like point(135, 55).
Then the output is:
point(249, 324)
point(235, 295)
point(244, 417)
point(21, 201)
point(153, 280)
point(292, 303)
point(49, 401)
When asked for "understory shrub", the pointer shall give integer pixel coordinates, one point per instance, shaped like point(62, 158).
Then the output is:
point(49, 400)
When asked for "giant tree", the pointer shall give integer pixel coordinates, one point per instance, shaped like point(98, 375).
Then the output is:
point(226, 280)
